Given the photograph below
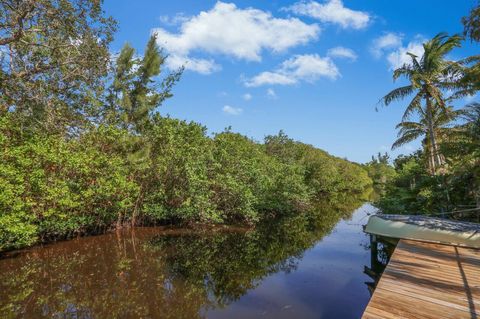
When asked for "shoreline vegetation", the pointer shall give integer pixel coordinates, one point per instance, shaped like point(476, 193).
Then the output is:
point(444, 175)
point(84, 150)
point(55, 188)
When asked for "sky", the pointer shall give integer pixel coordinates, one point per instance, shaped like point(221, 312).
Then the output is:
point(314, 69)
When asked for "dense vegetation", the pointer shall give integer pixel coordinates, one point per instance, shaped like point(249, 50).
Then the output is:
point(445, 174)
point(83, 148)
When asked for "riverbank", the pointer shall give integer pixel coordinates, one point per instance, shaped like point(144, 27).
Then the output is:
point(54, 187)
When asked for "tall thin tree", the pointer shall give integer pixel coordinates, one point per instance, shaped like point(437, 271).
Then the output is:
point(429, 77)
point(409, 130)
point(135, 93)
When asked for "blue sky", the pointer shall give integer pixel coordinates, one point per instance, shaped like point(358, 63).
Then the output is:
point(315, 69)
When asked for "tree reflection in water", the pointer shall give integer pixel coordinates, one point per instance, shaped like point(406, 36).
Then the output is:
point(381, 249)
point(157, 272)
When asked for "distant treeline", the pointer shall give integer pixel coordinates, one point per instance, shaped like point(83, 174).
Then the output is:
point(83, 148)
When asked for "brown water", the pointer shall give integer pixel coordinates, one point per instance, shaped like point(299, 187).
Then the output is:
point(300, 267)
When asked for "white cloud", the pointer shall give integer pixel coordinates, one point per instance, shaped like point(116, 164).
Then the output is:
point(308, 68)
point(177, 19)
point(238, 33)
point(270, 78)
point(232, 110)
point(247, 96)
point(341, 52)
point(271, 94)
point(399, 57)
point(202, 66)
point(391, 45)
point(387, 41)
point(332, 11)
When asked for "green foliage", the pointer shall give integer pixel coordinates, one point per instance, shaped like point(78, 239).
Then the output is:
point(53, 61)
point(239, 179)
point(471, 24)
point(381, 172)
point(134, 93)
point(53, 188)
point(414, 190)
point(430, 77)
point(177, 183)
point(402, 193)
point(247, 181)
point(444, 176)
point(83, 148)
point(324, 174)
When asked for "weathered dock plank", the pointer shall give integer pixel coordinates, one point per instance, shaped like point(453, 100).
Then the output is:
point(425, 280)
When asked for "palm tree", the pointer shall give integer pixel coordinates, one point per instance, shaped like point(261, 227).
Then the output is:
point(464, 148)
point(410, 131)
point(429, 77)
point(472, 130)
point(471, 114)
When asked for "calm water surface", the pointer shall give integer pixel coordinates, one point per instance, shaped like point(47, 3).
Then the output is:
point(301, 267)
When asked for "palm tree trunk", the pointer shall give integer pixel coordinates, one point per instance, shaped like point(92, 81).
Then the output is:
point(427, 149)
point(437, 157)
point(431, 160)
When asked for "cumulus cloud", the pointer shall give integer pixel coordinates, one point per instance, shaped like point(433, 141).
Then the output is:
point(230, 110)
point(341, 52)
point(247, 96)
point(271, 78)
point(399, 57)
point(385, 42)
point(391, 46)
point(308, 68)
point(228, 30)
point(331, 11)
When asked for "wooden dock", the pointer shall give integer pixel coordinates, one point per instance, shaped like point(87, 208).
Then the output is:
point(424, 280)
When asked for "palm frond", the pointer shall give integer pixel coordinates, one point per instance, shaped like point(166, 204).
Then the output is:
point(448, 43)
point(437, 95)
point(414, 106)
point(409, 125)
point(471, 112)
point(416, 65)
point(469, 60)
point(405, 139)
point(405, 70)
point(397, 94)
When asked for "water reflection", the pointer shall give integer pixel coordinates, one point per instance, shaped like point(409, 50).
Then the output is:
point(381, 249)
point(167, 273)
